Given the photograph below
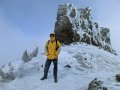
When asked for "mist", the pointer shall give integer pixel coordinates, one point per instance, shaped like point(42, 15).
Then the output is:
point(21, 28)
point(13, 42)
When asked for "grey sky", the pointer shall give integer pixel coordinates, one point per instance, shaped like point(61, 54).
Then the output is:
point(27, 23)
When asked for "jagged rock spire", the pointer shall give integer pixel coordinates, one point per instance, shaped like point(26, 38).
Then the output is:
point(76, 25)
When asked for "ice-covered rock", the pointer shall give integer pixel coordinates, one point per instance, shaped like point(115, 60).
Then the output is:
point(96, 85)
point(26, 57)
point(76, 25)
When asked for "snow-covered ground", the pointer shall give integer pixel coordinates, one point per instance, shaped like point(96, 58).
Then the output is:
point(87, 62)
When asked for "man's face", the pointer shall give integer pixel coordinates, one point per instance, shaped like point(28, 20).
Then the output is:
point(52, 37)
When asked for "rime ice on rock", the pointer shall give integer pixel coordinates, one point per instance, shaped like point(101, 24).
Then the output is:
point(76, 25)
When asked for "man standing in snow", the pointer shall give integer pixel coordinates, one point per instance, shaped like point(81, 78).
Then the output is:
point(52, 50)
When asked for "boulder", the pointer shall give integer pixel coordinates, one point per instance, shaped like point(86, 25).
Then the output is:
point(67, 66)
point(96, 85)
point(118, 77)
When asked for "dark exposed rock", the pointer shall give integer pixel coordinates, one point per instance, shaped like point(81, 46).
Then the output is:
point(85, 13)
point(90, 25)
point(83, 26)
point(64, 30)
point(73, 13)
point(86, 39)
point(96, 25)
point(118, 77)
point(67, 66)
point(76, 25)
point(42, 65)
point(96, 85)
point(76, 37)
point(105, 34)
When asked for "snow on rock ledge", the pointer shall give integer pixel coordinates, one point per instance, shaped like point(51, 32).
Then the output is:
point(76, 25)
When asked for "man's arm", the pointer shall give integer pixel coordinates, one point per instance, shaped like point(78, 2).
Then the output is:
point(46, 48)
point(59, 48)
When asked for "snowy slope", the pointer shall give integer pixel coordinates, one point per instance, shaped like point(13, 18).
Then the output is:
point(87, 62)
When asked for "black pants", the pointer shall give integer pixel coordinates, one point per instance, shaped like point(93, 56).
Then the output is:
point(47, 66)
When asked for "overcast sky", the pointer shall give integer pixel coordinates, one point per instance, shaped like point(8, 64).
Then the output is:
point(25, 24)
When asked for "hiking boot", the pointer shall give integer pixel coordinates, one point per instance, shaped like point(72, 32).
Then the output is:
point(43, 78)
point(55, 80)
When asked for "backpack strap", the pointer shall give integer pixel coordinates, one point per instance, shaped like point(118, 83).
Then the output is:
point(56, 45)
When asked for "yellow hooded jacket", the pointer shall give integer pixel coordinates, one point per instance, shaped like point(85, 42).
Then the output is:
point(50, 49)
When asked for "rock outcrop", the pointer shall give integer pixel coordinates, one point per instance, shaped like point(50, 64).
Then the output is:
point(118, 77)
point(26, 57)
point(76, 25)
point(96, 85)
